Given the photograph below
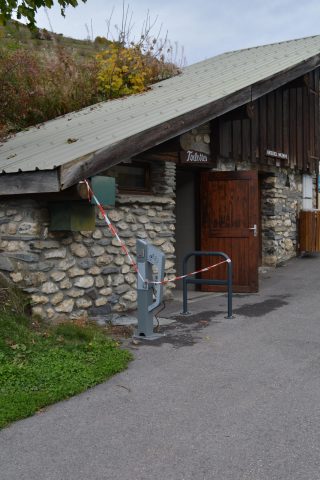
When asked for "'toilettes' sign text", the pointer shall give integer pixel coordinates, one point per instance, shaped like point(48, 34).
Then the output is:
point(191, 156)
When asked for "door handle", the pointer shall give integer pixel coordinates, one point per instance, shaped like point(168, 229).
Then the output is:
point(255, 230)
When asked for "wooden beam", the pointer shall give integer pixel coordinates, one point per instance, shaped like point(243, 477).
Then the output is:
point(29, 182)
point(162, 157)
point(75, 171)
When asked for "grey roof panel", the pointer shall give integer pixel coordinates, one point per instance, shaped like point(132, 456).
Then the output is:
point(46, 147)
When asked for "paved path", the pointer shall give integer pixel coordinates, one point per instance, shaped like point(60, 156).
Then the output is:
point(217, 399)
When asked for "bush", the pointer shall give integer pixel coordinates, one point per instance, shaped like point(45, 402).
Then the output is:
point(39, 86)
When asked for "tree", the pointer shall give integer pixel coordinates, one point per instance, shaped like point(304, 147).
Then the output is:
point(27, 9)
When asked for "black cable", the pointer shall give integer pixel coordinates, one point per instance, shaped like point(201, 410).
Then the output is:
point(163, 303)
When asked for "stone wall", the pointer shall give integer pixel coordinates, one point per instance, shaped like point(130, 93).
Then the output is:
point(281, 200)
point(76, 274)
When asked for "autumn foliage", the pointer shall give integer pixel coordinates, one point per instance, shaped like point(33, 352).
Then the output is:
point(127, 70)
point(39, 84)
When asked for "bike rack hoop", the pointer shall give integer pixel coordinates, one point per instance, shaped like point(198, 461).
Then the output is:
point(203, 281)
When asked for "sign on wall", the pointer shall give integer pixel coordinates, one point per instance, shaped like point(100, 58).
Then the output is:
point(281, 155)
point(194, 157)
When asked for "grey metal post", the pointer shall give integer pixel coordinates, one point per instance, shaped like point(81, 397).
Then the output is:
point(148, 255)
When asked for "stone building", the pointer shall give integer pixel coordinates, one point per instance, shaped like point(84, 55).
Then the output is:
point(221, 157)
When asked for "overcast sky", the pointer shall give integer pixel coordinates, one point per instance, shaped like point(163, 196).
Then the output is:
point(203, 27)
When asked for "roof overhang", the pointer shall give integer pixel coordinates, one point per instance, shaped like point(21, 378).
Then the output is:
point(41, 181)
point(91, 164)
point(96, 162)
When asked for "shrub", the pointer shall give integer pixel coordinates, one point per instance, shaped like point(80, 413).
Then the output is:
point(39, 86)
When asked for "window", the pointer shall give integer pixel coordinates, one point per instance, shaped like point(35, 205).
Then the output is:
point(307, 192)
point(133, 177)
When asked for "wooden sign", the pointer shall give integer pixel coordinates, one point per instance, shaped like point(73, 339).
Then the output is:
point(282, 156)
point(194, 157)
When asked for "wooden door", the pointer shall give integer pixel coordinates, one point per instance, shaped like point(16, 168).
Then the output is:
point(229, 207)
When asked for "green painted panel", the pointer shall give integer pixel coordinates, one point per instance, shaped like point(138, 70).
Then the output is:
point(72, 216)
point(104, 189)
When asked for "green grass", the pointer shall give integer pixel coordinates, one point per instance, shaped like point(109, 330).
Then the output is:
point(15, 35)
point(41, 365)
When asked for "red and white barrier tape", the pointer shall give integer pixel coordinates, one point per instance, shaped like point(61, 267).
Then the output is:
point(115, 234)
point(205, 269)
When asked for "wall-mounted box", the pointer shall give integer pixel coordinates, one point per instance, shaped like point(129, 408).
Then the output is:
point(104, 189)
point(72, 216)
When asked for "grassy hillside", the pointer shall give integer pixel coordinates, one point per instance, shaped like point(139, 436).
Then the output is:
point(16, 35)
point(44, 75)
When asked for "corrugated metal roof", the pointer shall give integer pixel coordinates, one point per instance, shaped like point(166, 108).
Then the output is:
point(46, 147)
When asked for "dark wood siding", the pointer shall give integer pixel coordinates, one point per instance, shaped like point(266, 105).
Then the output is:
point(284, 121)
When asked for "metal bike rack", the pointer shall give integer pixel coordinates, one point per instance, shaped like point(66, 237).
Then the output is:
point(201, 281)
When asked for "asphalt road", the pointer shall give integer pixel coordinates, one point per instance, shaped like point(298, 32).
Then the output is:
point(215, 399)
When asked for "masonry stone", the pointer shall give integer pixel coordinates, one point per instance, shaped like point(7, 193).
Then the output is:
point(79, 250)
point(66, 264)
point(75, 292)
point(104, 242)
point(119, 260)
point(75, 272)
point(39, 299)
point(131, 296)
point(24, 257)
point(65, 284)
point(117, 280)
point(88, 241)
point(49, 287)
point(50, 313)
point(94, 270)
point(103, 260)
point(16, 277)
point(122, 288)
point(99, 282)
point(130, 277)
point(83, 302)
point(84, 282)
point(65, 307)
point(97, 251)
point(86, 263)
point(12, 228)
point(106, 291)
point(57, 298)
point(6, 264)
point(100, 301)
point(57, 253)
point(34, 278)
point(125, 269)
point(97, 234)
point(115, 215)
